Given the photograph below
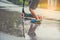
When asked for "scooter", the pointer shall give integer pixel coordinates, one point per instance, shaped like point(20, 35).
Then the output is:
point(28, 16)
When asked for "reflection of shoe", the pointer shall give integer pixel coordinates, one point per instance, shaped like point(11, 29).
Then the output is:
point(27, 37)
point(36, 21)
point(32, 34)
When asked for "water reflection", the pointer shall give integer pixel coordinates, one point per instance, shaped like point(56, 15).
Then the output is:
point(31, 31)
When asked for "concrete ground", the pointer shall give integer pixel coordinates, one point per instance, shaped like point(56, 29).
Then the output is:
point(4, 36)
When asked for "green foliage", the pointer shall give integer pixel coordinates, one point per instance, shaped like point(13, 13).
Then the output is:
point(19, 2)
point(26, 2)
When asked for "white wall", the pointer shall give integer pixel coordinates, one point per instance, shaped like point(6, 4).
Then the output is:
point(52, 4)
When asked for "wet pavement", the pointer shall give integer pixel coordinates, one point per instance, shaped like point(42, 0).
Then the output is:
point(48, 30)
